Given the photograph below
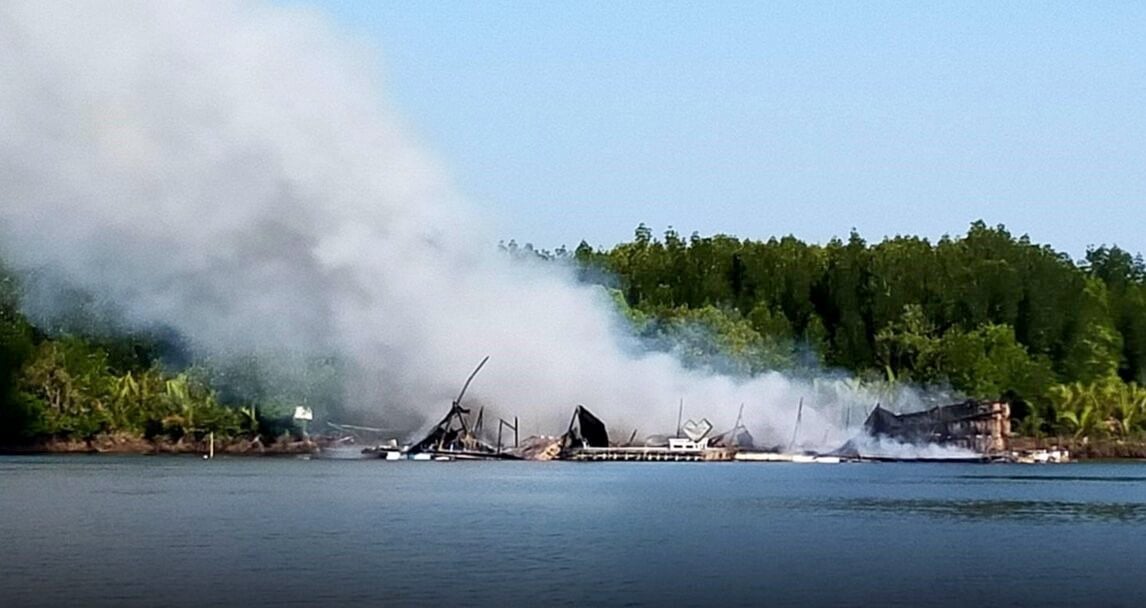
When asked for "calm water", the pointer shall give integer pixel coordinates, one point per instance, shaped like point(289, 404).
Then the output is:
point(154, 531)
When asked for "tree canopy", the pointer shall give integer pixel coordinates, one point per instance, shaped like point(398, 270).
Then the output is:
point(986, 313)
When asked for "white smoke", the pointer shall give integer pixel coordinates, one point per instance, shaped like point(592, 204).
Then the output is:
point(231, 170)
point(885, 447)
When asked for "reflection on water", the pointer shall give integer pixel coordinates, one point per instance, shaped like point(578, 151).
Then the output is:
point(1052, 478)
point(1034, 511)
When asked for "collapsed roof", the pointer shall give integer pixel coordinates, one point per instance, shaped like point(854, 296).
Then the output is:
point(453, 433)
point(980, 426)
point(737, 437)
point(585, 431)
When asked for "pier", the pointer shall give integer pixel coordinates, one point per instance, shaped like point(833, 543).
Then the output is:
point(650, 454)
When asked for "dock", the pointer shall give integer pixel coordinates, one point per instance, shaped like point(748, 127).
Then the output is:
point(650, 454)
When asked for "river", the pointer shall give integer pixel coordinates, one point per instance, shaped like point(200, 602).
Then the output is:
point(178, 531)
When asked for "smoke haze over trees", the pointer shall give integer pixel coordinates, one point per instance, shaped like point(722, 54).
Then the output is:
point(228, 177)
point(986, 314)
point(209, 206)
point(905, 304)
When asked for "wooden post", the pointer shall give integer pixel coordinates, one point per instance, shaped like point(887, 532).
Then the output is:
point(796, 431)
point(211, 445)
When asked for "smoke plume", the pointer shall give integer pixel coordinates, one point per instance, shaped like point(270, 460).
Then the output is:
point(231, 170)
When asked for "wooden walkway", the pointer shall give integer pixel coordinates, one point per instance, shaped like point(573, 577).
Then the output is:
point(647, 454)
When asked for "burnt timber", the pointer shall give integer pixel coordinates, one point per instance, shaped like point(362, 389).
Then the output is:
point(456, 438)
point(982, 427)
point(588, 440)
point(585, 431)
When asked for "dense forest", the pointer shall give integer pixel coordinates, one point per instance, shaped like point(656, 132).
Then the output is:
point(987, 315)
point(71, 383)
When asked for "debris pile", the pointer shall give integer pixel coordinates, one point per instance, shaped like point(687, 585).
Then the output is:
point(539, 447)
point(981, 427)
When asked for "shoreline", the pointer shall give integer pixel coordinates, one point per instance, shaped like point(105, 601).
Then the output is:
point(1081, 450)
point(1085, 449)
point(120, 444)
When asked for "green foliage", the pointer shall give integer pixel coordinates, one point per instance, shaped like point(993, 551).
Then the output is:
point(76, 387)
point(16, 345)
point(69, 380)
point(987, 361)
point(1124, 276)
point(71, 392)
point(990, 362)
point(987, 313)
point(909, 347)
point(720, 340)
point(1094, 346)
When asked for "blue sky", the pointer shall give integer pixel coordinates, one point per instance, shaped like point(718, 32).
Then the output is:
point(578, 120)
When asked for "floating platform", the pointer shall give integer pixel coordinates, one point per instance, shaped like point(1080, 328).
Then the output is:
point(649, 454)
point(979, 459)
point(752, 456)
point(439, 455)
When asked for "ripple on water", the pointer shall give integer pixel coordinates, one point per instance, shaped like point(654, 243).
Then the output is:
point(1026, 510)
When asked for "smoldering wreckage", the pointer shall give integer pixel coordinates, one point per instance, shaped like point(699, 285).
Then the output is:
point(978, 431)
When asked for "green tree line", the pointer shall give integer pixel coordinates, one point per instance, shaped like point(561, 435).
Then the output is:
point(69, 385)
point(988, 314)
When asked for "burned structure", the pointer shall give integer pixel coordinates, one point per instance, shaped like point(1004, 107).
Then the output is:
point(455, 437)
point(737, 437)
point(585, 431)
point(587, 439)
point(979, 426)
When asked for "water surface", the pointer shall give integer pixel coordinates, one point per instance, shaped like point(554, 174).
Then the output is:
point(170, 531)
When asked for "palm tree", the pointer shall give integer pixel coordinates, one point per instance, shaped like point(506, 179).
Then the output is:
point(177, 394)
point(1032, 424)
point(1127, 405)
point(1078, 408)
point(1082, 421)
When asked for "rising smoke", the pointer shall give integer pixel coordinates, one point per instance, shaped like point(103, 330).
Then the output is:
point(231, 170)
